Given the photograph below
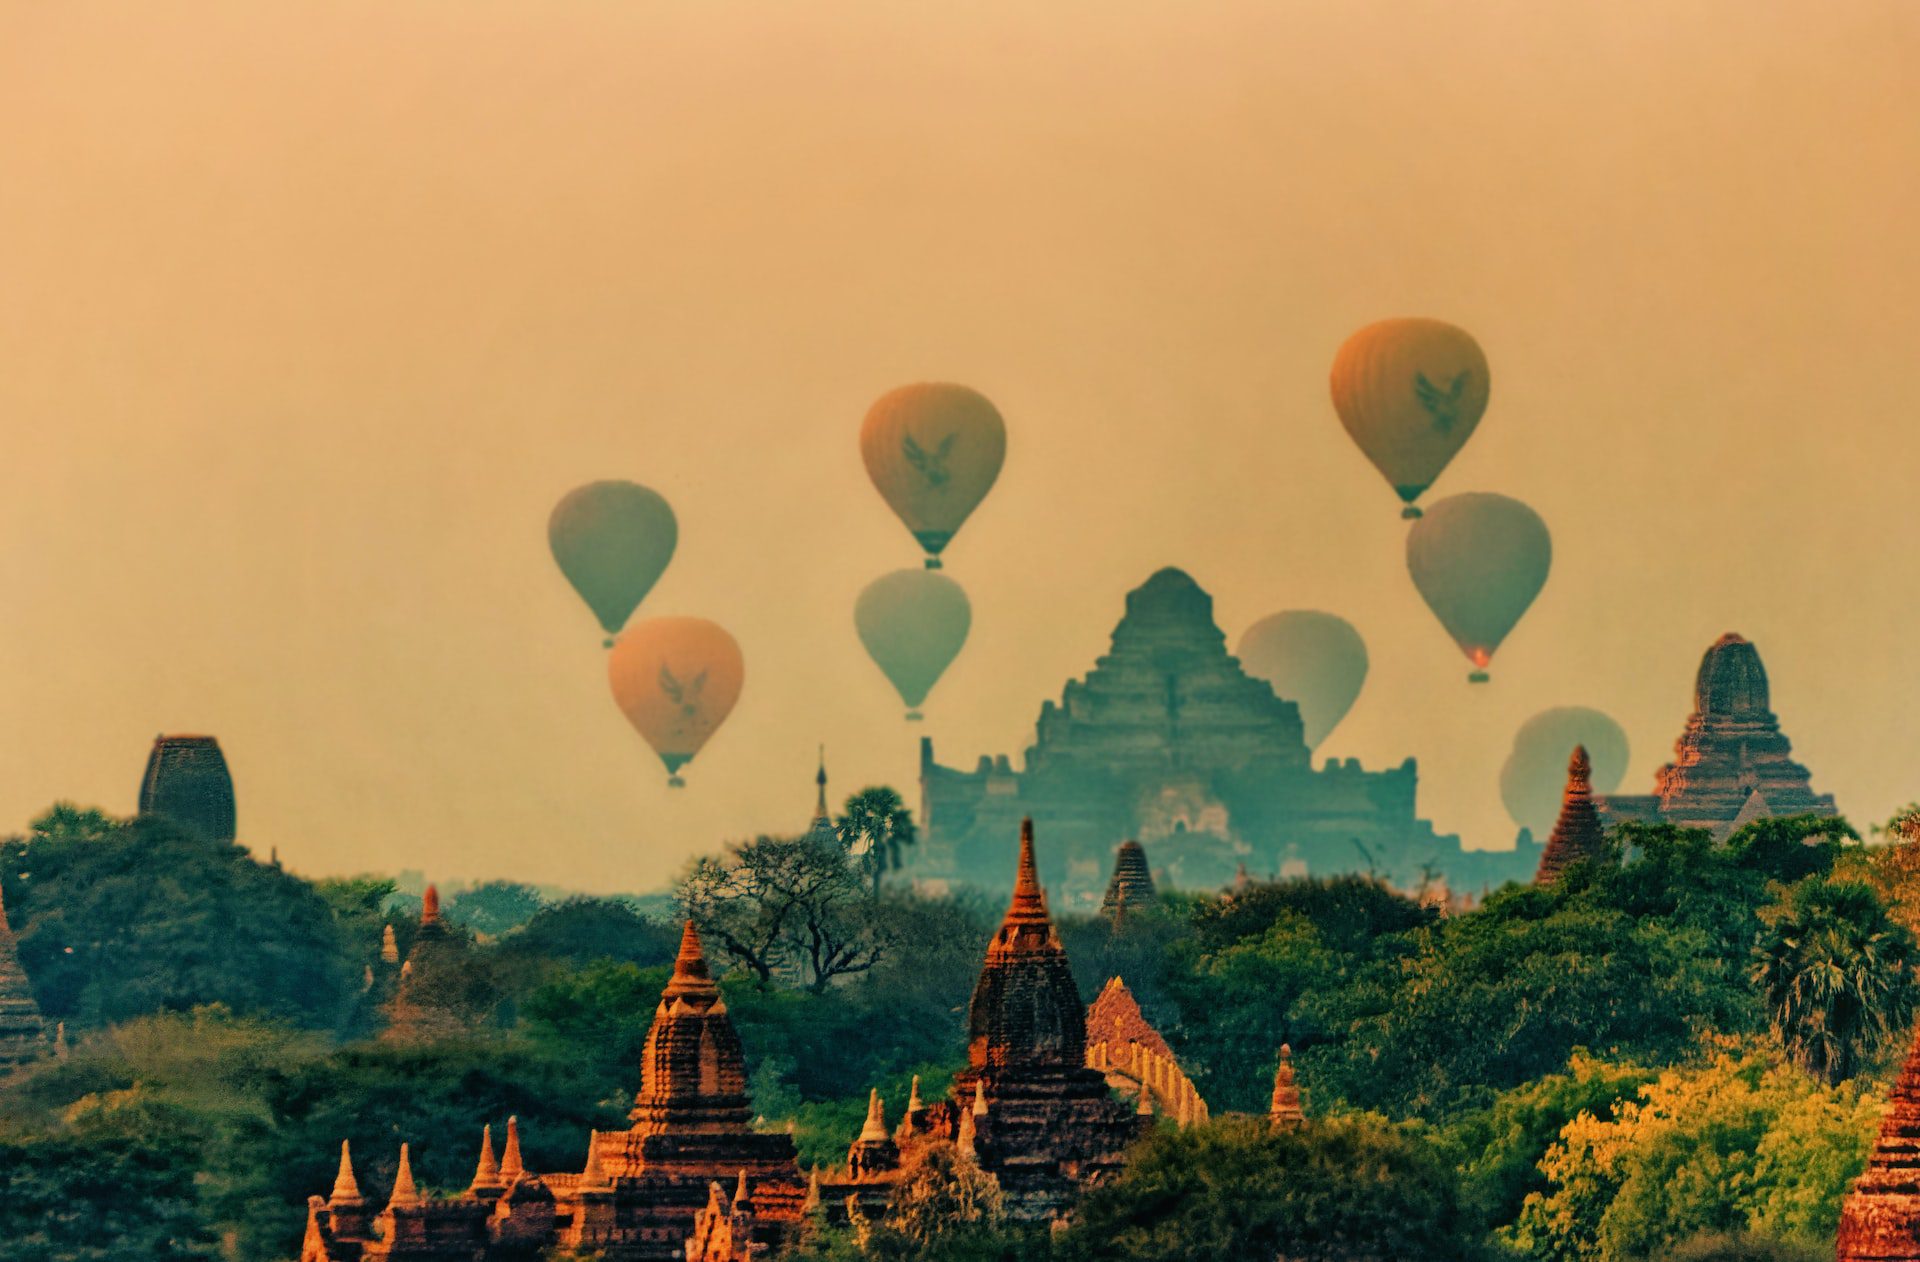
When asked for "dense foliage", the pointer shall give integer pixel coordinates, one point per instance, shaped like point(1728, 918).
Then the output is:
point(1676, 1052)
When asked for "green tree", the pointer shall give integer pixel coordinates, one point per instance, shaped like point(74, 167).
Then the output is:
point(1837, 974)
point(875, 827)
point(493, 907)
point(1345, 1189)
point(131, 918)
point(788, 908)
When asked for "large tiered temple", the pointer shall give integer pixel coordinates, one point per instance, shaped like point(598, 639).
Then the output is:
point(1168, 741)
point(1732, 764)
point(1880, 1219)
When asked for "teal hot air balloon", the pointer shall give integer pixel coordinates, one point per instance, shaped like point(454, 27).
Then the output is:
point(613, 541)
point(1478, 561)
point(913, 623)
point(1316, 660)
point(1535, 773)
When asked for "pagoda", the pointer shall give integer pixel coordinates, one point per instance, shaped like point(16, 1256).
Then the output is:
point(187, 782)
point(1167, 740)
point(1732, 764)
point(1880, 1219)
point(645, 1194)
point(1578, 834)
point(23, 1035)
point(1131, 884)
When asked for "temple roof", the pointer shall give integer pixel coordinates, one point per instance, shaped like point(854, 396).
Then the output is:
point(1731, 679)
point(1578, 834)
point(1026, 1009)
point(1132, 883)
point(693, 1074)
point(187, 781)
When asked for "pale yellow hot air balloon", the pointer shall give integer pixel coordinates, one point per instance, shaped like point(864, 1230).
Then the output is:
point(676, 680)
point(933, 451)
point(1410, 393)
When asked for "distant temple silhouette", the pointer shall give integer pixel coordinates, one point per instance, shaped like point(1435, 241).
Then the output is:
point(1732, 764)
point(1168, 741)
point(187, 782)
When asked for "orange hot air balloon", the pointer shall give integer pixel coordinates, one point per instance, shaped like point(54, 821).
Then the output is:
point(933, 452)
point(1410, 393)
point(676, 680)
point(1479, 560)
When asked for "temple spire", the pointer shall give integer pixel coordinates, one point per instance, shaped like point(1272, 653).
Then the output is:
point(430, 907)
point(486, 1172)
point(345, 1187)
point(740, 1194)
point(389, 947)
point(1286, 1112)
point(510, 1167)
point(1578, 834)
point(1880, 1219)
point(690, 973)
point(404, 1191)
point(913, 1097)
point(1029, 900)
point(876, 1127)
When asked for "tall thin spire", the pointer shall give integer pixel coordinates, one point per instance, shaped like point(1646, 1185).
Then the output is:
point(486, 1172)
point(430, 907)
point(876, 1127)
point(510, 1167)
point(1286, 1111)
point(404, 1191)
point(741, 1197)
point(389, 947)
point(1029, 900)
point(345, 1187)
point(1578, 834)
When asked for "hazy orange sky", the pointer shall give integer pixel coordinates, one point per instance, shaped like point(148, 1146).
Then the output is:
point(310, 311)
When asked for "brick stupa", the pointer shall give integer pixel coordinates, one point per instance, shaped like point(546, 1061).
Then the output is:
point(1880, 1219)
point(1732, 764)
point(648, 1194)
point(23, 1035)
point(1132, 882)
point(1578, 834)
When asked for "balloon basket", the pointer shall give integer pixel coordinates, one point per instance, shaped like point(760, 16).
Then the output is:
point(914, 716)
point(607, 643)
point(1479, 677)
point(675, 782)
point(1410, 512)
point(933, 563)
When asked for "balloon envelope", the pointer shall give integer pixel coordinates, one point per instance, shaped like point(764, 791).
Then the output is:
point(913, 623)
point(933, 452)
point(1479, 560)
point(1410, 393)
point(613, 541)
point(676, 680)
point(1316, 660)
point(1535, 773)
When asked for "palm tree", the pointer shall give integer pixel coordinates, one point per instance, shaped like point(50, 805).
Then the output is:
point(874, 827)
point(1836, 973)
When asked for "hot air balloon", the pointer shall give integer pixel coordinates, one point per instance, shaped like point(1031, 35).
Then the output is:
point(1410, 393)
point(1314, 659)
point(1536, 770)
point(1479, 560)
point(612, 540)
point(676, 680)
point(913, 623)
point(933, 452)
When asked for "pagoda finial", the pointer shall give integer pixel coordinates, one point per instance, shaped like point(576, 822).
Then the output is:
point(404, 1191)
point(1578, 833)
point(876, 1127)
point(813, 1191)
point(430, 907)
point(486, 1172)
point(345, 1187)
point(1029, 900)
point(593, 1175)
point(913, 1097)
point(740, 1196)
point(716, 1197)
point(1286, 1111)
point(510, 1167)
point(60, 1049)
point(690, 973)
point(389, 947)
point(979, 1097)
